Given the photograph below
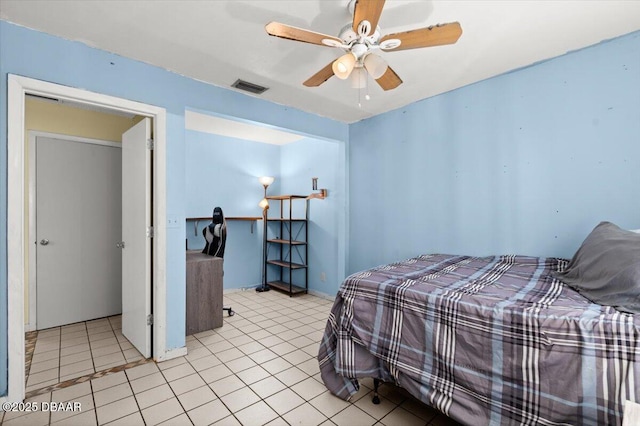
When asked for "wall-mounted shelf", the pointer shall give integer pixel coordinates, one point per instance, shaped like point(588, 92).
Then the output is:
point(252, 219)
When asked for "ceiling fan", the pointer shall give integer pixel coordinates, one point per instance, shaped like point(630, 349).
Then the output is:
point(361, 39)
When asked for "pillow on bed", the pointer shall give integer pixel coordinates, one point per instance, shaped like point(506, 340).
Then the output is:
point(606, 268)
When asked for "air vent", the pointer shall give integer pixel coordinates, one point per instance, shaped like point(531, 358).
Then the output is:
point(249, 87)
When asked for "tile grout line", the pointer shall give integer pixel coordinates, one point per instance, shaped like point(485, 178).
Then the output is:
point(133, 393)
point(59, 354)
point(93, 398)
point(93, 361)
point(174, 394)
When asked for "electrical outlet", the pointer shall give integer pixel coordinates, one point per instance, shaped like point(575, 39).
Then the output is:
point(323, 276)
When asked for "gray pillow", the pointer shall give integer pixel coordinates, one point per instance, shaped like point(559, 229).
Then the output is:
point(606, 268)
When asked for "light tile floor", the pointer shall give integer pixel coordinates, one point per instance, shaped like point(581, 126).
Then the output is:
point(76, 350)
point(259, 368)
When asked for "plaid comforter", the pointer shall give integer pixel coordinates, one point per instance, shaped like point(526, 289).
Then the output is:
point(492, 340)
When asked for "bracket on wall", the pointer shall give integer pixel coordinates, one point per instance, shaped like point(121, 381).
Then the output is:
point(320, 195)
point(314, 185)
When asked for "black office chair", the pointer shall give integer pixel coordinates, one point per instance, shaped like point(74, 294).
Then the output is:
point(215, 237)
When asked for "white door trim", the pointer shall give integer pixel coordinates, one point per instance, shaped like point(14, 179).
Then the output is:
point(32, 135)
point(18, 87)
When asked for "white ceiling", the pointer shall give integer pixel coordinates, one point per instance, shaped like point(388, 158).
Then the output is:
point(219, 41)
point(237, 129)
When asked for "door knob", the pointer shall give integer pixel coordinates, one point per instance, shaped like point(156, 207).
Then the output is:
point(44, 242)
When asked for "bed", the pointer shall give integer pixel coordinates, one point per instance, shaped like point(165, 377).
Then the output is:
point(485, 340)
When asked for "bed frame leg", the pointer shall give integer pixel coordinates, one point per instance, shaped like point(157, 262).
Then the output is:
point(376, 399)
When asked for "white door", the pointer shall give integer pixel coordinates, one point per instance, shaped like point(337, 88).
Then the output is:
point(136, 241)
point(78, 221)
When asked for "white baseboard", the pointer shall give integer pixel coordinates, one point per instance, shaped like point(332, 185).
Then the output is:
point(312, 292)
point(322, 295)
point(172, 353)
point(236, 290)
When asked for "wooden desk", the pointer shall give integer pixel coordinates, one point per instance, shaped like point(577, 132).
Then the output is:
point(204, 292)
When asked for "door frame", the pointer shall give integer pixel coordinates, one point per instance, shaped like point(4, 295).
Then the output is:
point(18, 87)
point(31, 236)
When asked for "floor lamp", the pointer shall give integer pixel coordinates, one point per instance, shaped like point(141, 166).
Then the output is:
point(264, 204)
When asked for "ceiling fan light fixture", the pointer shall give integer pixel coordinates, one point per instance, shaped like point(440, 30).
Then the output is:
point(358, 78)
point(343, 66)
point(361, 37)
point(375, 65)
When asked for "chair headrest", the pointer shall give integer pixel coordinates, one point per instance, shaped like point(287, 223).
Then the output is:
point(218, 216)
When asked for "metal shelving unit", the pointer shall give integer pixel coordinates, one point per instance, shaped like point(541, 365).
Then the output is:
point(291, 241)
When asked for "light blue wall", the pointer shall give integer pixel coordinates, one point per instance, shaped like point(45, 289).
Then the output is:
point(300, 161)
point(527, 162)
point(224, 171)
point(37, 55)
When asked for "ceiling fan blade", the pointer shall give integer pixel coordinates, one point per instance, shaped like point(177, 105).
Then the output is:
point(426, 37)
point(367, 10)
point(298, 34)
point(320, 77)
point(389, 80)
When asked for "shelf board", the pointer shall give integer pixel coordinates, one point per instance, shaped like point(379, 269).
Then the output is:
point(293, 242)
point(252, 218)
point(285, 220)
point(284, 264)
point(285, 197)
point(282, 286)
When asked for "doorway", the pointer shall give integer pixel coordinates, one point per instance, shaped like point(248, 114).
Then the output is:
point(75, 272)
point(75, 265)
point(16, 235)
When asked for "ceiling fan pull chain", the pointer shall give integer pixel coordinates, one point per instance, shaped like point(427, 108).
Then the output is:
point(366, 85)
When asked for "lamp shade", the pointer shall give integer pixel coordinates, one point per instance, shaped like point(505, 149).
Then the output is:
point(375, 65)
point(343, 66)
point(264, 204)
point(266, 180)
point(358, 78)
